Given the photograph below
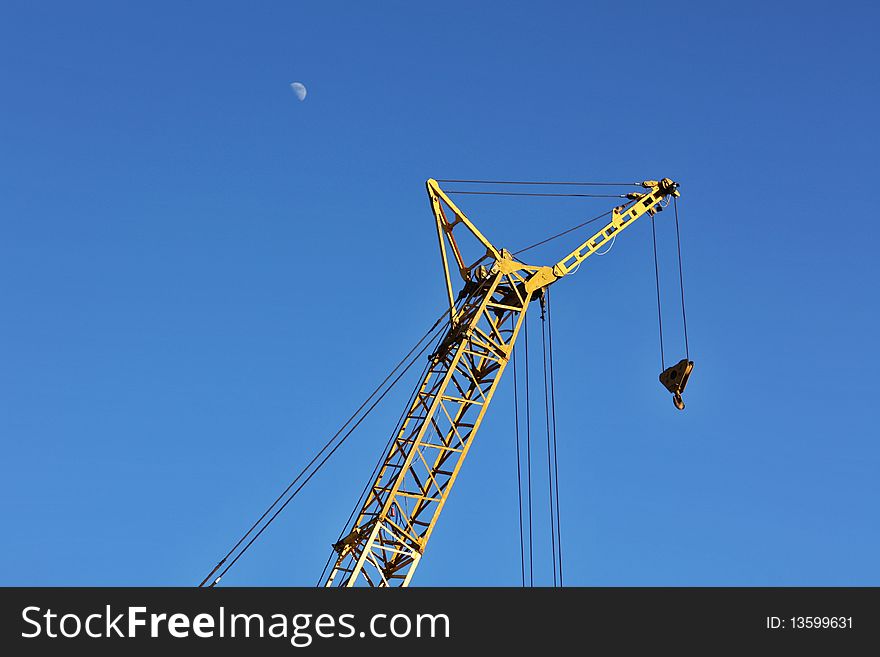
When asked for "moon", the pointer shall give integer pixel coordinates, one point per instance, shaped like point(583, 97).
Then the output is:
point(299, 89)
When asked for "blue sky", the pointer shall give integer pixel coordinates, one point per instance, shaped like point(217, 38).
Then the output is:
point(202, 277)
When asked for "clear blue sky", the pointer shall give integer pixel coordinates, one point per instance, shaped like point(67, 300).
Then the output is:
point(202, 276)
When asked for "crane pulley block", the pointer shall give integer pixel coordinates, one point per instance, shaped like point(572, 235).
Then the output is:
point(675, 378)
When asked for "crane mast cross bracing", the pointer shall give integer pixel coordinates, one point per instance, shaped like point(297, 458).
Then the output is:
point(387, 538)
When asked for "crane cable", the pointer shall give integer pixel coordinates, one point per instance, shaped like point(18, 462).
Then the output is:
point(552, 460)
point(681, 280)
point(552, 452)
point(680, 285)
point(552, 449)
point(318, 467)
point(555, 451)
point(318, 455)
point(522, 548)
point(529, 454)
point(542, 182)
point(657, 279)
point(549, 435)
point(547, 194)
point(563, 233)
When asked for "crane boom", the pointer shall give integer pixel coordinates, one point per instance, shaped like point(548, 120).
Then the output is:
point(387, 539)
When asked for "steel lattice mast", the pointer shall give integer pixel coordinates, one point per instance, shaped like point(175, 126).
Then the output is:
point(386, 541)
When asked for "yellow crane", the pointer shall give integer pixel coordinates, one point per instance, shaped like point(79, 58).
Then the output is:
point(386, 540)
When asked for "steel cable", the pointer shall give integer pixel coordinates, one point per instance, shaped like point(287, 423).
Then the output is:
point(684, 322)
point(563, 233)
point(541, 182)
point(657, 278)
point(314, 472)
point(555, 451)
point(320, 452)
point(522, 548)
point(529, 453)
point(549, 446)
point(483, 193)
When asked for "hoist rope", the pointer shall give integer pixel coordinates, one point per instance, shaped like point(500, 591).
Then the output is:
point(529, 454)
point(563, 233)
point(680, 286)
point(482, 193)
point(542, 182)
point(657, 279)
point(549, 440)
point(318, 467)
point(555, 452)
point(522, 547)
point(681, 280)
point(318, 455)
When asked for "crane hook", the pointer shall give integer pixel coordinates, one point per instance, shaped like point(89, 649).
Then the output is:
point(675, 378)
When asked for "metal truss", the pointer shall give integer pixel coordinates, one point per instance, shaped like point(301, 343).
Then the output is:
point(389, 536)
